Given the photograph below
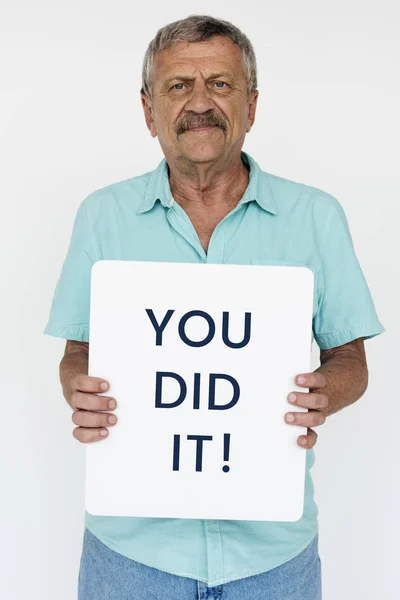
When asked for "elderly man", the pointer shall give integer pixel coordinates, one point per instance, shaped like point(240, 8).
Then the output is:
point(209, 202)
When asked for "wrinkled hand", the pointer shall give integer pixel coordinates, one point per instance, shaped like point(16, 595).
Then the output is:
point(85, 403)
point(315, 402)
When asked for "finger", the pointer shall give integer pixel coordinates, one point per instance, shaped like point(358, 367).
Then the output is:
point(308, 400)
point(86, 383)
point(311, 380)
point(308, 441)
point(89, 435)
point(85, 418)
point(92, 401)
point(312, 418)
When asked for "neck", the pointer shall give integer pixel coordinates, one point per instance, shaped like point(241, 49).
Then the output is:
point(208, 184)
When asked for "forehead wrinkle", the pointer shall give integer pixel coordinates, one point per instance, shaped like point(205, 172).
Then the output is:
point(187, 70)
point(184, 60)
point(216, 63)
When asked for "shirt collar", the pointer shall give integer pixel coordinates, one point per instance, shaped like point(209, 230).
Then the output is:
point(258, 189)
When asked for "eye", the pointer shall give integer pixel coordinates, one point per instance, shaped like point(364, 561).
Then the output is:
point(175, 88)
point(220, 86)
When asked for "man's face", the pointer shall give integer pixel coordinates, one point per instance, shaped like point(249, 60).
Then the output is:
point(200, 109)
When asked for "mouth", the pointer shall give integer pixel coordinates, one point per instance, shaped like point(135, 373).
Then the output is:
point(202, 128)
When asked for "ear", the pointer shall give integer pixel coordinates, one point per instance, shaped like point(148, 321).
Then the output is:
point(148, 114)
point(252, 110)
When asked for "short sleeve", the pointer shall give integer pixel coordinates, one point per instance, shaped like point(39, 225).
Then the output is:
point(70, 307)
point(346, 309)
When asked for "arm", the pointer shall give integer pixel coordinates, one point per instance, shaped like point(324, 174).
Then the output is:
point(81, 392)
point(341, 379)
point(346, 316)
point(346, 373)
point(73, 363)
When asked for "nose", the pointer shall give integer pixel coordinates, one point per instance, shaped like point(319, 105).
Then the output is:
point(200, 100)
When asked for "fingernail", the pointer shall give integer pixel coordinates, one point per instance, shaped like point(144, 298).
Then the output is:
point(292, 397)
point(112, 404)
point(112, 419)
point(104, 385)
point(303, 441)
point(289, 418)
point(301, 379)
point(103, 432)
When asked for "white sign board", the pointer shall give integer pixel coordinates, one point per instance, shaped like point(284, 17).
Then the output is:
point(200, 358)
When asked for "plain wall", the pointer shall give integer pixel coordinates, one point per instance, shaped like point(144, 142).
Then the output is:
point(71, 122)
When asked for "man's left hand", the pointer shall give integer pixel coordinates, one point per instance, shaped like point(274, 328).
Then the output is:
point(314, 401)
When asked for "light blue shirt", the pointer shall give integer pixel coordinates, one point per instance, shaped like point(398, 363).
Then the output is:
point(277, 221)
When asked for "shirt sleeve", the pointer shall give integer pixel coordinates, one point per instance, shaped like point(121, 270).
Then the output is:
point(346, 309)
point(70, 307)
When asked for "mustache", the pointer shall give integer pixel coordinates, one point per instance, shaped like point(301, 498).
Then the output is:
point(204, 120)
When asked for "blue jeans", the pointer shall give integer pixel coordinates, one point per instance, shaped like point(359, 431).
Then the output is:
point(107, 575)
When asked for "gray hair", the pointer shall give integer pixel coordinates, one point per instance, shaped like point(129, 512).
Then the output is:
point(198, 28)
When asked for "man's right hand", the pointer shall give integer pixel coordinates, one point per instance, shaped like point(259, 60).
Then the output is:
point(85, 402)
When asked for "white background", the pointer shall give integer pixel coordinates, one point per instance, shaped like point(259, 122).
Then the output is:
point(71, 122)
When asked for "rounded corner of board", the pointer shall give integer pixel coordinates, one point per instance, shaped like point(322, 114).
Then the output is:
point(96, 266)
point(297, 516)
point(310, 271)
point(91, 509)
